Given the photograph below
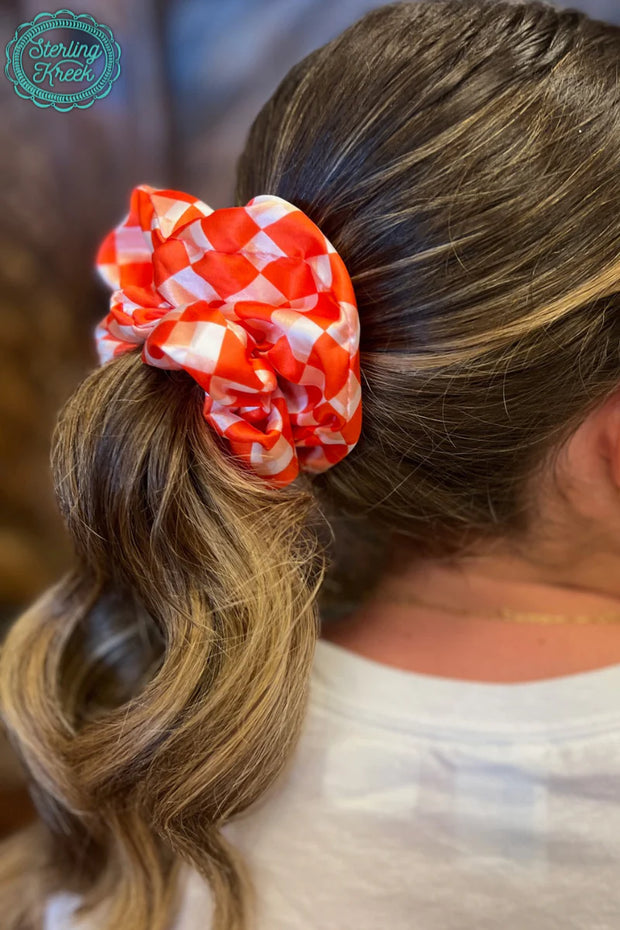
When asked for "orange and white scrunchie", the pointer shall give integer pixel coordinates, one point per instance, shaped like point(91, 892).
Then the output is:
point(257, 306)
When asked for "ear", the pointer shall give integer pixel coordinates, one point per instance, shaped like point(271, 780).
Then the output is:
point(593, 451)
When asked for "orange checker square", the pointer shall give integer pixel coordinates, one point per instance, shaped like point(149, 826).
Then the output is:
point(120, 267)
point(141, 207)
point(169, 257)
point(158, 339)
point(352, 427)
point(144, 297)
point(244, 431)
point(256, 416)
point(333, 361)
point(227, 274)
point(234, 363)
point(303, 434)
point(229, 229)
point(138, 273)
point(143, 316)
point(341, 283)
point(292, 277)
point(173, 209)
point(315, 395)
point(326, 309)
point(119, 315)
point(106, 253)
point(284, 361)
point(297, 236)
point(256, 318)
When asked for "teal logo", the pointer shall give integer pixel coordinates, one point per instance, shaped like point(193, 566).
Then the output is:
point(63, 60)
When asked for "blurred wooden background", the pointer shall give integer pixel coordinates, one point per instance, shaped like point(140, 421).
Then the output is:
point(193, 75)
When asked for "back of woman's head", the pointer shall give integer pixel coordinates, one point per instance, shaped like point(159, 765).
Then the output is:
point(462, 157)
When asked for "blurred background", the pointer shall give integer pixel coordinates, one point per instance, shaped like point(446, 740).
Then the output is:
point(193, 75)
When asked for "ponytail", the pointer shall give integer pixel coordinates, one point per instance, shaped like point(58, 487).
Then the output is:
point(159, 688)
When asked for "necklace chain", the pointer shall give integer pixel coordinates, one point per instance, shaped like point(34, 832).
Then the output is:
point(508, 614)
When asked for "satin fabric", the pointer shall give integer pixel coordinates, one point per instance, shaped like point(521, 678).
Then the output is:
point(257, 306)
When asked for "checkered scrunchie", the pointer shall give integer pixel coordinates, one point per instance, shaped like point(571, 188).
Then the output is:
point(255, 303)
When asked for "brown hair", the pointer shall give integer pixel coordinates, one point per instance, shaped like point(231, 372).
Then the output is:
point(463, 158)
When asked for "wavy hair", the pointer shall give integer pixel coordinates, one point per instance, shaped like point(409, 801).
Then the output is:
point(463, 158)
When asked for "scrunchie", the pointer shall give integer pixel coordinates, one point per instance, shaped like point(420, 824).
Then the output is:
point(257, 306)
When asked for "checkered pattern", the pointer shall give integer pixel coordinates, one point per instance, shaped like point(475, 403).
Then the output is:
point(257, 306)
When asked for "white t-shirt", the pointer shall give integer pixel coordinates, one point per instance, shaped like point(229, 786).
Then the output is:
point(415, 802)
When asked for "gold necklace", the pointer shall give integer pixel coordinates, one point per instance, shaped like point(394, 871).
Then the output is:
point(507, 614)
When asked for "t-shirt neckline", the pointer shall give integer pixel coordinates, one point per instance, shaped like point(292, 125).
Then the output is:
point(567, 707)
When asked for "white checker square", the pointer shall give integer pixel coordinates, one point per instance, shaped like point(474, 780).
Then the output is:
point(301, 332)
point(132, 245)
point(219, 389)
point(206, 342)
point(347, 398)
point(346, 331)
point(322, 271)
point(314, 376)
point(274, 461)
point(304, 304)
point(196, 240)
point(261, 290)
point(267, 210)
point(261, 249)
point(186, 286)
point(222, 416)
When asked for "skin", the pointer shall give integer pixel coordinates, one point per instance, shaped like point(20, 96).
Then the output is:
point(569, 565)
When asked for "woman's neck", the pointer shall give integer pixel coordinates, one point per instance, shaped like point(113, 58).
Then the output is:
point(466, 639)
